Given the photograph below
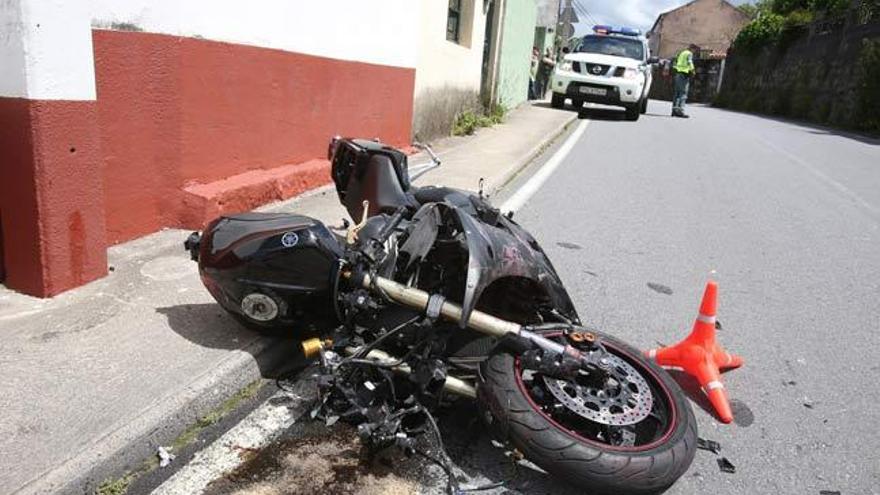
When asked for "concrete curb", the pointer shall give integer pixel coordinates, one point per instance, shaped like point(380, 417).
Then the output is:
point(495, 184)
point(129, 444)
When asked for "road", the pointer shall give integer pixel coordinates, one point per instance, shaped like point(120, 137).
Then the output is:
point(789, 218)
point(786, 218)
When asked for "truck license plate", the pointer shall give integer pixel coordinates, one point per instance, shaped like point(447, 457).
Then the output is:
point(593, 91)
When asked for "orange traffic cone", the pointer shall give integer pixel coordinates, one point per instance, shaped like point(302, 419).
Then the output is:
point(700, 355)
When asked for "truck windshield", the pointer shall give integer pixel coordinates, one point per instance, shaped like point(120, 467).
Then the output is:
point(612, 45)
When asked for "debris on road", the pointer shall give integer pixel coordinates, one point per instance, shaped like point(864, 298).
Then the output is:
point(725, 465)
point(165, 457)
point(660, 288)
point(710, 445)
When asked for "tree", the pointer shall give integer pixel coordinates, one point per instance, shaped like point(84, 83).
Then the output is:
point(753, 9)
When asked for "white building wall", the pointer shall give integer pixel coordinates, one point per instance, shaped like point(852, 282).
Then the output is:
point(46, 50)
point(442, 63)
point(13, 82)
point(380, 32)
point(46, 45)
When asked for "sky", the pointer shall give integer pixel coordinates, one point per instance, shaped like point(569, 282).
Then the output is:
point(639, 14)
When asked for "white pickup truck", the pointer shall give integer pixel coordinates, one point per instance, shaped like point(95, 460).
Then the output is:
point(610, 66)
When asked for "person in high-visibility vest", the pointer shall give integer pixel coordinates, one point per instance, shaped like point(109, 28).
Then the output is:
point(683, 70)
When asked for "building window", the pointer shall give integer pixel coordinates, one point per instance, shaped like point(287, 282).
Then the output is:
point(453, 21)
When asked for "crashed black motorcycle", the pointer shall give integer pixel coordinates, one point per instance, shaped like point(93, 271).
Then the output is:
point(435, 296)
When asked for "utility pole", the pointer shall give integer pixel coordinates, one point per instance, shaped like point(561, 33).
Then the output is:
point(563, 26)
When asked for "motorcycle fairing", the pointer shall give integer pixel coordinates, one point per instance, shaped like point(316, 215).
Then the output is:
point(494, 252)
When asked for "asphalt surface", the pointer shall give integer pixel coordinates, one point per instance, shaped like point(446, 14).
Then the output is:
point(786, 217)
point(789, 218)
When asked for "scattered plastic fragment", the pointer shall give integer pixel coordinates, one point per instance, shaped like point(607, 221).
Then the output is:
point(725, 465)
point(165, 457)
point(808, 405)
point(829, 492)
point(710, 445)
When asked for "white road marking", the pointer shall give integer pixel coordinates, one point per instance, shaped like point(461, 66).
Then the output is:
point(255, 431)
point(524, 193)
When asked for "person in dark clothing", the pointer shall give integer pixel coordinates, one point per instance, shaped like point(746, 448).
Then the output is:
point(533, 73)
point(545, 68)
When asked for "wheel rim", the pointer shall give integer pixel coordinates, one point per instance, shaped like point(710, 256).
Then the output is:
point(653, 429)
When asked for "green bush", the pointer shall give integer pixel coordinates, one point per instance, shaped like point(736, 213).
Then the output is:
point(762, 31)
point(468, 121)
point(829, 6)
point(798, 18)
point(783, 20)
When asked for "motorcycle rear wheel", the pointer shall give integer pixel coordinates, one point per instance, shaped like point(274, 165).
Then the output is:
point(515, 416)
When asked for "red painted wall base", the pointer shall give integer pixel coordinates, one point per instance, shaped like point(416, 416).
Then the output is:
point(182, 130)
point(53, 227)
point(244, 192)
point(180, 111)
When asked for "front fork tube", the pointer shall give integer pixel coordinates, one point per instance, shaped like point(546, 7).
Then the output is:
point(482, 322)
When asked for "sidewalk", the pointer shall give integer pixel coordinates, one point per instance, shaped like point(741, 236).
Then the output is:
point(96, 378)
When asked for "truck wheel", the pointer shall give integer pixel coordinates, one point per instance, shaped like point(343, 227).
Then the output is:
point(633, 112)
point(557, 100)
point(520, 410)
point(644, 106)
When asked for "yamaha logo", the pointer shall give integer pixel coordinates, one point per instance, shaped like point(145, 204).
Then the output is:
point(289, 239)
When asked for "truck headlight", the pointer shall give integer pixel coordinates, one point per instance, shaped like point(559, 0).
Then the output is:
point(630, 73)
point(565, 65)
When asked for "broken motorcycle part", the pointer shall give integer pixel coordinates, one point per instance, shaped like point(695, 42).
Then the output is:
point(725, 465)
point(450, 383)
point(710, 445)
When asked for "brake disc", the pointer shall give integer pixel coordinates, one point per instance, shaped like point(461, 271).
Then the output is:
point(625, 400)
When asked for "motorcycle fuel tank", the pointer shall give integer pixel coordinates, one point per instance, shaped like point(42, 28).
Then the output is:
point(272, 271)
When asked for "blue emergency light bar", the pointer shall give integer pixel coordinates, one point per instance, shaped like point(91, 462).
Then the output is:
point(626, 31)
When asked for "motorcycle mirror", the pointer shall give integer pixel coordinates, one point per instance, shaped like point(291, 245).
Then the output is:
point(423, 169)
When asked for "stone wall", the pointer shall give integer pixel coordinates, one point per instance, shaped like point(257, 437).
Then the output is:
point(812, 74)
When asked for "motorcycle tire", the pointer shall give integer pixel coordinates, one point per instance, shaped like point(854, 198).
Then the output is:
point(600, 468)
